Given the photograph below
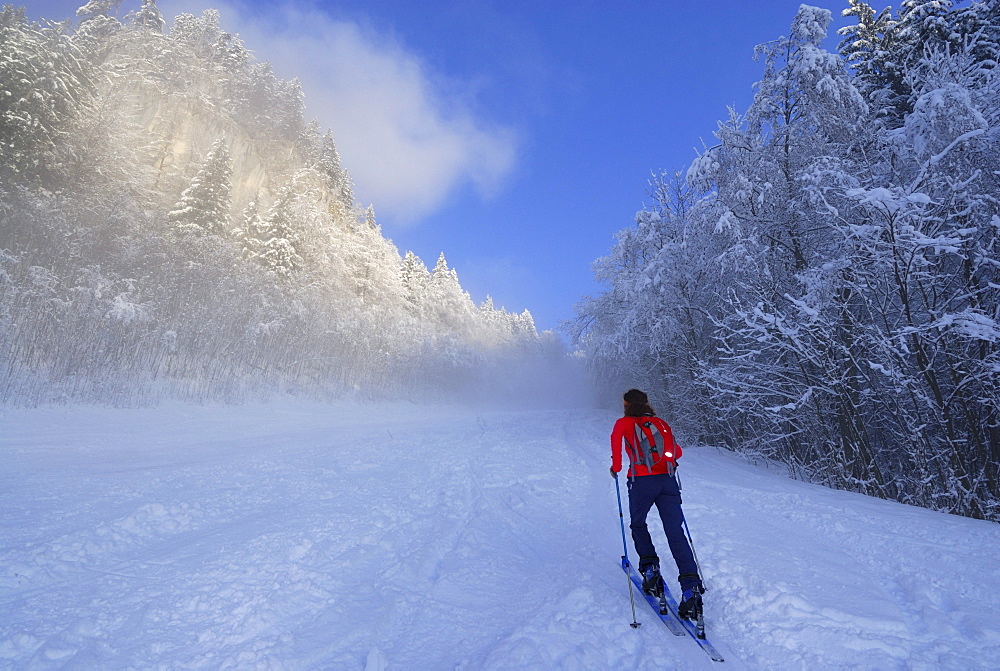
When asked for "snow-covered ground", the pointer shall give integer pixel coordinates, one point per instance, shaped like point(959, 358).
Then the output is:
point(308, 536)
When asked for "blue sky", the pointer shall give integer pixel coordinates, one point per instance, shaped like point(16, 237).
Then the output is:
point(516, 136)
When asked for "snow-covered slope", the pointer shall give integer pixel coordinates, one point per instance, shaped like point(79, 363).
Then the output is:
point(400, 537)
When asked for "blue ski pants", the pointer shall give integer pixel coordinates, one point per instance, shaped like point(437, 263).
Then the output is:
point(662, 491)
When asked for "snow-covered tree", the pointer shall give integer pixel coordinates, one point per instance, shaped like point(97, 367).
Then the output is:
point(665, 276)
point(870, 47)
point(278, 251)
point(415, 279)
point(97, 25)
point(95, 8)
point(45, 81)
point(451, 306)
point(338, 180)
point(978, 24)
point(101, 131)
point(839, 275)
point(926, 24)
point(200, 34)
point(373, 265)
point(149, 17)
point(204, 206)
point(252, 233)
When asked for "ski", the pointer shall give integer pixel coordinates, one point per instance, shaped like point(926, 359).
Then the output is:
point(674, 622)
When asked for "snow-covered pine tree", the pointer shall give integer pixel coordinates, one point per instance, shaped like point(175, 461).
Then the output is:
point(978, 26)
point(497, 325)
point(95, 8)
point(204, 205)
point(289, 110)
point(252, 233)
point(415, 279)
point(524, 324)
point(149, 17)
point(338, 180)
point(898, 45)
point(45, 82)
point(451, 308)
point(926, 24)
point(369, 218)
point(200, 34)
point(97, 25)
point(373, 264)
point(869, 49)
point(279, 253)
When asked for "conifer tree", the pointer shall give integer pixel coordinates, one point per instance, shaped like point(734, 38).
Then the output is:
point(524, 324)
point(95, 8)
point(925, 24)
point(200, 34)
point(45, 82)
point(338, 180)
point(279, 253)
point(415, 279)
point(978, 24)
point(868, 47)
point(452, 307)
point(370, 221)
point(149, 17)
point(97, 24)
point(204, 205)
point(252, 233)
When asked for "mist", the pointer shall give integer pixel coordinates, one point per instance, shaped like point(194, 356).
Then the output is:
point(172, 227)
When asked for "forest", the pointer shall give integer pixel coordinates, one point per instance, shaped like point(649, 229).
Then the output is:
point(820, 288)
point(172, 227)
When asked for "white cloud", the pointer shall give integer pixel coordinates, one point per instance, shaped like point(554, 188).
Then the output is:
point(406, 142)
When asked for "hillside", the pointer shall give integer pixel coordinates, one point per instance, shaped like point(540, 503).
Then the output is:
point(172, 226)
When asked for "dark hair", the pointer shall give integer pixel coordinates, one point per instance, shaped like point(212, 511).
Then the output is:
point(637, 404)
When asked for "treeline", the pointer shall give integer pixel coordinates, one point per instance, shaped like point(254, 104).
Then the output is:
point(822, 287)
point(172, 227)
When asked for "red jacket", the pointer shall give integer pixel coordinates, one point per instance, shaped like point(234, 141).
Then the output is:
point(625, 432)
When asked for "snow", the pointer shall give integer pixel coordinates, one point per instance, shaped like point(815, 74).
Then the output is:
point(877, 197)
point(972, 324)
point(810, 24)
point(307, 536)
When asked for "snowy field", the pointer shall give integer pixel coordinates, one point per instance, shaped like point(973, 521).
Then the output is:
point(307, 536)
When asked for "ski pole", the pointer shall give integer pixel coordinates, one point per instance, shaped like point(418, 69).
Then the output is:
point(621, 517)
point(687, 531)
point(697, 563)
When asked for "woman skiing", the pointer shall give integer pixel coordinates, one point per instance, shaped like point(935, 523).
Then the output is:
point(653, 456)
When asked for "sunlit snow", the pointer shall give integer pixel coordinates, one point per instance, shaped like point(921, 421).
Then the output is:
point(310, 536)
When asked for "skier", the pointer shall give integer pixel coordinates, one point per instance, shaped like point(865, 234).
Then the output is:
point(653, 455)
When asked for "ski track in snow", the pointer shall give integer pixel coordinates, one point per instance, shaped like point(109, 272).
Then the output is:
point(309, 536)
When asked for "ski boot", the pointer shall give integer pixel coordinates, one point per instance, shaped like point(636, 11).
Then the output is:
point(691, 605)
point(692, 608)
point(652, 582)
